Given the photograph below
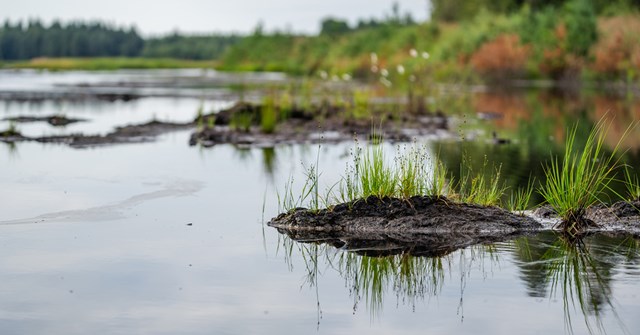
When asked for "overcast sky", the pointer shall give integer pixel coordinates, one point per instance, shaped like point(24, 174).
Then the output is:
point(153, 17)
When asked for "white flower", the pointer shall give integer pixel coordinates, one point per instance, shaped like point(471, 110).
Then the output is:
point(413, 53)
point(374, 58)
point(374, 69)
point(400, 69)
point(324, 75)
point(346, 77)
point(384, 72)
point(425, 55)
point(385, 82)
point(335, 77)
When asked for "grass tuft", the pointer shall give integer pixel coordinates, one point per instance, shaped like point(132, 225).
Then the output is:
point(580, 178)
point(632, 183)
point(520, 198)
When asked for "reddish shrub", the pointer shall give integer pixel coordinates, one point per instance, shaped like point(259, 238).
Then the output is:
point(504, 57)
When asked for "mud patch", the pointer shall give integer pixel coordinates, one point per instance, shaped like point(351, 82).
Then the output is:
point(146, 132)
point(420, 214)
point(54, 120)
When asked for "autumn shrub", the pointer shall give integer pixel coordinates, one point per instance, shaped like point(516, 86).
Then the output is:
point(501, 58)
point(617, 53)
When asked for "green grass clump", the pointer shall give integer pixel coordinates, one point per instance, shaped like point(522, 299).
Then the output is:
point(580, 178)
point(478, 188)
point(375, 176)
point(632, 183)
point(519, 199)
point(268, 115)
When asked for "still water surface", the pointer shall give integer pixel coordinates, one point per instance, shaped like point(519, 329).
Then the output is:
point(164, 238)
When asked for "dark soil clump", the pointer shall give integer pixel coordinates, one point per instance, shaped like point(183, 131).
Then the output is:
point(420, 214)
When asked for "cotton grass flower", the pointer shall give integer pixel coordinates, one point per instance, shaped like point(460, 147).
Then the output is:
point(384, 72)
point(400, 69)
point(413, 53)
point(374, 69)
point(346, 77)
point(324, 75)
point(374, 58)
point(425, 55)
point(385, 82)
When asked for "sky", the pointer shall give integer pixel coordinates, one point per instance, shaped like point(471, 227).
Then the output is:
point(158, 17)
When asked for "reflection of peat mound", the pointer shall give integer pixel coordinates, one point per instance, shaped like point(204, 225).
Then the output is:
point(380, 244)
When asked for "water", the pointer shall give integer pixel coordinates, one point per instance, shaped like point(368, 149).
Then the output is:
point(165, 238)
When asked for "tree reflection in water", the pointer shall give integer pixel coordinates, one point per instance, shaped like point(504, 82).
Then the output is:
point(551, 265)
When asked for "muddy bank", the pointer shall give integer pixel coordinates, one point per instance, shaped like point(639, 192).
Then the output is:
point(146, 132)
point(433, 226)
point(241, 125)
point(420, 214)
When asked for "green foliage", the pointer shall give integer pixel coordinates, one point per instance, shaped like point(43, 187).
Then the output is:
point(579, 179)
point(188, 47)
point(582, 30)
point(333, 26)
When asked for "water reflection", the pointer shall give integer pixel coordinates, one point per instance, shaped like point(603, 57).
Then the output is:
point(580, 272)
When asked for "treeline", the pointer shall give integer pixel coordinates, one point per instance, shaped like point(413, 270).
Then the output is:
point(334, 26)
point(20, 41)
point(188, 47)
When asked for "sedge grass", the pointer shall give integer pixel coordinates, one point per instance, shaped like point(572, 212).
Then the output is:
point(477, 188)
point(632, 183)
point(520, 198)
point(580, 179)
point(376, 177)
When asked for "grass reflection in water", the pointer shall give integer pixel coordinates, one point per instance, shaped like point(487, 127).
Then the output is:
point(579, 270)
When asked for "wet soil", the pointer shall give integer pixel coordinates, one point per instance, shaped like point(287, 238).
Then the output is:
point(429, 226)
point(323, 123)
point(419, 214)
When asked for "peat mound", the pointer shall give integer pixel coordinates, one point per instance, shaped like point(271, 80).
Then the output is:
point(419, 214)
point(241, 124)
